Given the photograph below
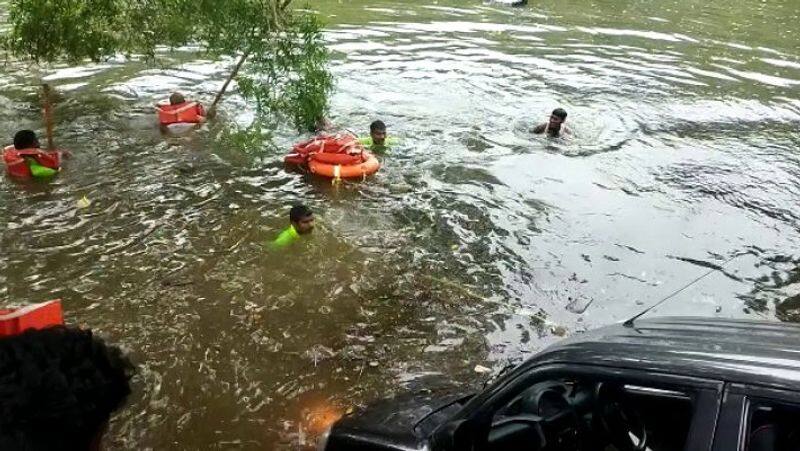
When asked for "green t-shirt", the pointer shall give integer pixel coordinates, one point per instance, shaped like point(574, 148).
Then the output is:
point(367, 142)
point(38, 171)
point(286, 238)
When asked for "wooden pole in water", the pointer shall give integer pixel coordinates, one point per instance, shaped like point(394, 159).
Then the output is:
point(48, 116)
point(212, 111)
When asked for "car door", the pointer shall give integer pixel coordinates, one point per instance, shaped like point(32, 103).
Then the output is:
point(561, 407)
point(757, 418)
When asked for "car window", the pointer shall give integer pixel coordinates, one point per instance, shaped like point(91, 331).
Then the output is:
point(589, 414)
point(773, 426)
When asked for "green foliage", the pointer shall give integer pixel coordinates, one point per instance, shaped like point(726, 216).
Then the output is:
point(285, 73)
point(50, 30)
point(289, 74)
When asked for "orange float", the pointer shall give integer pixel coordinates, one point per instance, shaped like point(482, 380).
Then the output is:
point(368, 166)
point(36, 316)
point(336, 156)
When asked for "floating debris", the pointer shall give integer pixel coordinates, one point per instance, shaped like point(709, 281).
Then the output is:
point(83, 202)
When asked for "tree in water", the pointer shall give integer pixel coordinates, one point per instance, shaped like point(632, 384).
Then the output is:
point(281, 58)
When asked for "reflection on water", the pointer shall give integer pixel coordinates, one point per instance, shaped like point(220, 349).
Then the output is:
point(477, 243)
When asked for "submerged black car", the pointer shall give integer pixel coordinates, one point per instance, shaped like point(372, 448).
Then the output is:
point(667, 384)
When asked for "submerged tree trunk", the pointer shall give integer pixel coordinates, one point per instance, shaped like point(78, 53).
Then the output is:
point(212, 110)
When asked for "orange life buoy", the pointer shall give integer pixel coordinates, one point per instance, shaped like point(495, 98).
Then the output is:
point(16, 165)
point(341, 143)
point(369, 166)
point(341, 149)
point(182, 113)
point(342, 159)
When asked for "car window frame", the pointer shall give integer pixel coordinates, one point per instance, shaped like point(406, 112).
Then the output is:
point(734, 424)
point(480, 410)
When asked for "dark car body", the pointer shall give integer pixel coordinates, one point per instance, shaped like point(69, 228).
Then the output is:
point(729, 362)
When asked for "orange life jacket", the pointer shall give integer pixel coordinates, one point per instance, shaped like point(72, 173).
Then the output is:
point(17, 167)
point(186, 112)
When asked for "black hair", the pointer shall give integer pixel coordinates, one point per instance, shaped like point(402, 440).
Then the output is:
point(58, 388)
point(298, 212)
point(176, 98)
point(25, 139)
point(560, 113)
point(377, 126)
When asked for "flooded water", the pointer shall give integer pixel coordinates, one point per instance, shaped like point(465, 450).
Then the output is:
point(478, 243)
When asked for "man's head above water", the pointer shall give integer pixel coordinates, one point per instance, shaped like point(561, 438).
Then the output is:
point(26, 139)
point(377, 131)
point(58, 389)
point(176, 98)
point(557, 118)
point(302, 219)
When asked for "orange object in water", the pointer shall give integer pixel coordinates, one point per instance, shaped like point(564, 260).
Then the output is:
point(368, 166)
point(340, 143)
point(36, 316)
point(341, 159)
point(335, 156)
point(17, 167)
point(182, 113)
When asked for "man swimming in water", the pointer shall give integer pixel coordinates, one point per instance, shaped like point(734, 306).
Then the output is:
point(378, 139)
point(377, 133)
point(302, 223)
point(177, 99)
point(179, 112)
point(555, 126)
point(26, 158)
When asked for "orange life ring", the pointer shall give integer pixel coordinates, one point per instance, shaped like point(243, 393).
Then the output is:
point(341, 159)
point(369, 166)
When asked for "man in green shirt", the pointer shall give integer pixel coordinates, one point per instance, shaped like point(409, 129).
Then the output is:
point(302, 223)
point(377, 139)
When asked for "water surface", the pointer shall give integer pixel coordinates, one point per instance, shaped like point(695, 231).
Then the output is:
point(477, 244)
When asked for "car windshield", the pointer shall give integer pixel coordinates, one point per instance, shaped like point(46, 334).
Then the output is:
point(572, 415)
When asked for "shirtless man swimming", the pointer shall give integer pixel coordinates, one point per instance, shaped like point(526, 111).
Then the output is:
point(555, 126)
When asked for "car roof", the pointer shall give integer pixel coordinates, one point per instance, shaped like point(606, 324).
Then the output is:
point(742, 351)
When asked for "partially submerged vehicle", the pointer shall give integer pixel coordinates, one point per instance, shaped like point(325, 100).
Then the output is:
point(665, 384)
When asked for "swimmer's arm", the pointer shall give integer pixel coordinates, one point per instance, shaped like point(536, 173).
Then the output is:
point(539, 129)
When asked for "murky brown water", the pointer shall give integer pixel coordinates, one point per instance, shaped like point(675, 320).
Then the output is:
point(474, 244)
